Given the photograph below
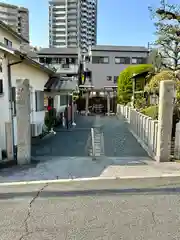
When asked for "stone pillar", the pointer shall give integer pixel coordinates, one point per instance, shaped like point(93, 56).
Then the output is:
point(87, 103)
point(9, 141)
point(23, 122)
point(166, 104)
point(108, 103)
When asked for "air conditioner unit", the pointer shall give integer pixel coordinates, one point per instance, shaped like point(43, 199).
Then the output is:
point(36, 129)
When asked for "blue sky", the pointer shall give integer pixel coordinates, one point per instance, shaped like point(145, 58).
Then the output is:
point(119, 22)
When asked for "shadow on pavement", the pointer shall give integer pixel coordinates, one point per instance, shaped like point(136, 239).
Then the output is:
point(67, 142)
point(51, 168)
point(100, 192)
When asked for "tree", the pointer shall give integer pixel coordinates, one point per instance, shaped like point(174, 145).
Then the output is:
point(153, 84)
point(168, 34)
point(155, 59)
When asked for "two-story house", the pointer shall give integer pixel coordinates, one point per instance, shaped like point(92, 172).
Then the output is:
point(15, 64)
point(103, 64)
point(106, 62)
point(65, 62)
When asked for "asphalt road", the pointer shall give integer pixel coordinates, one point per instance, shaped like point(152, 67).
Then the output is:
point(128, 210)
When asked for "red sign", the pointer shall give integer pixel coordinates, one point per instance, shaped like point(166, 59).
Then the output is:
point(49, 108)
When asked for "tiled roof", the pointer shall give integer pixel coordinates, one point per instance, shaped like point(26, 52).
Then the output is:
point(24, 57)
point(119, 48)
point(60, 84)
point(69, 50)
point(11, 31)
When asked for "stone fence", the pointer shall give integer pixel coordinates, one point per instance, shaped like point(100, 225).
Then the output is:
point(144, 128)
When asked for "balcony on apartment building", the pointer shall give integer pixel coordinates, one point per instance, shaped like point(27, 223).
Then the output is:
point(61, 65)
point(72, 11)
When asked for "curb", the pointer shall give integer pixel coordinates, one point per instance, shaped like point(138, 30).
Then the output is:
point(76, 180)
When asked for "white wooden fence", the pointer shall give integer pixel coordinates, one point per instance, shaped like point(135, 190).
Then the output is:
point(177, 142)
point(143, 128)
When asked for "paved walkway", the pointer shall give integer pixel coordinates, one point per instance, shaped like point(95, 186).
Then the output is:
point(72, 142)
point(118, 140)
point(65, 155)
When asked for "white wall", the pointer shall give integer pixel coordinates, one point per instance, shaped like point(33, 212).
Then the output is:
point(37, 79)
point(4, 104)
point(4, 34)
point(73, 68)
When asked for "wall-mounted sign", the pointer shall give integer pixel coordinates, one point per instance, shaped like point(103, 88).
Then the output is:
point(19, 94)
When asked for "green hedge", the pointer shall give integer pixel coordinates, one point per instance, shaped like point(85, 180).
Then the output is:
point(125, 81)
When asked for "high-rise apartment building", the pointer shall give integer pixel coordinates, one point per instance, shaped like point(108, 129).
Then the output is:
point(16, 17)
point(72, 23)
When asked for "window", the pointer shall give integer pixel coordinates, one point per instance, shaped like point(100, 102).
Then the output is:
point(101, 60)
point(63, 60)
point(1, 86)
point(104, 59)
point(109, 78)
point(65, 66)
point(122, 60)
point(138, 60)
point(39, 95)
point(63, 100)
point(88, 75)
point(7, 42)
point(42, 60)
point(115, 79)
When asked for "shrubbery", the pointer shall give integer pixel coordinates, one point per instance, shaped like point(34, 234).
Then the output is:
point(151, 111)
point(153, 85)
point(140, 103)
point(125, 81)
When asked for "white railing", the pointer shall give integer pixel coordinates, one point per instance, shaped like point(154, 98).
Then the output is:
point(144, 128)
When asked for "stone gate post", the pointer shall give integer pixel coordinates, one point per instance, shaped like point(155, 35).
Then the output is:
point(166, 104)
point(23, 121)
